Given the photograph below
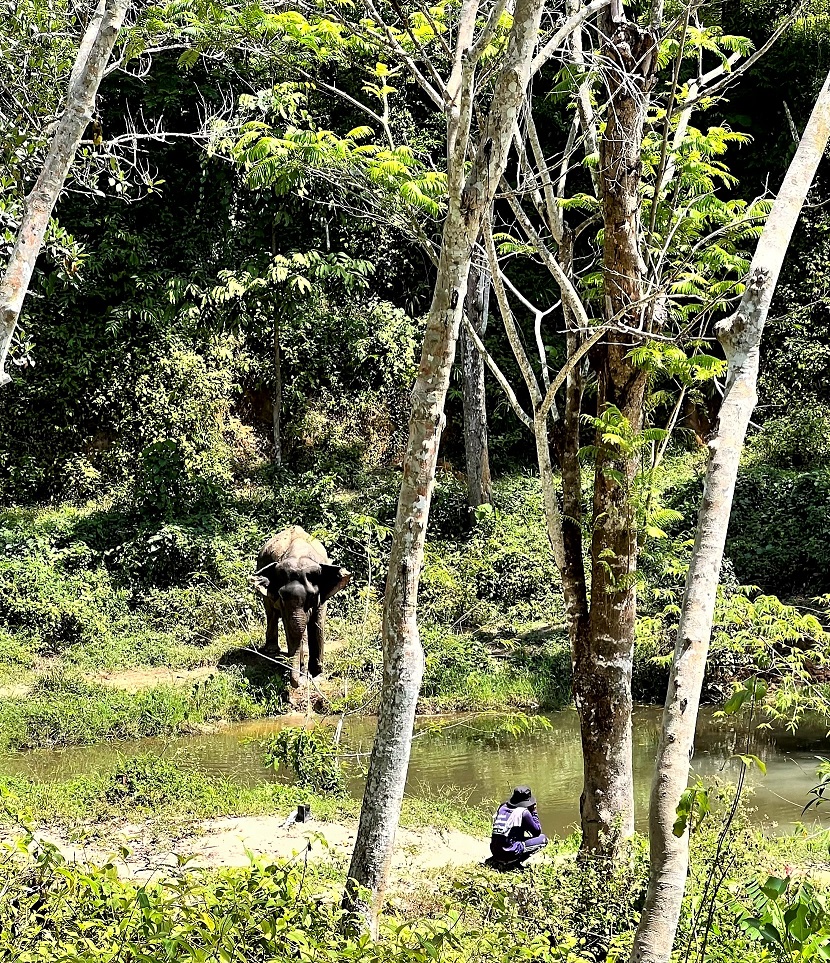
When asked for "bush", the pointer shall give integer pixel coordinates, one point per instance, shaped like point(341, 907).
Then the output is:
point(779, 532)
point(779, 529)
point(311, 756)
point(797, 441)
point(152, 782)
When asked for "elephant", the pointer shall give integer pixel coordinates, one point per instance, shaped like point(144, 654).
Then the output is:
point(296, 579)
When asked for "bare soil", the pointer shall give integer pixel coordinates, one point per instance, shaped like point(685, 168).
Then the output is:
point(230, 840)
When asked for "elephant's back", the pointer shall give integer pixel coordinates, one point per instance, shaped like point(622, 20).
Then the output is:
point(293, 541)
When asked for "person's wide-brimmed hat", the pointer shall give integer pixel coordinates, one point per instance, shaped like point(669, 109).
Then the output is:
point(522, 796)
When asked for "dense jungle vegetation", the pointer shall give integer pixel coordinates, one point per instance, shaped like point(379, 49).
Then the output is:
point(136, 461)
point(138, 479)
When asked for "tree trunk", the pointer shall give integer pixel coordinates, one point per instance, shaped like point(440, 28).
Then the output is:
point(475, 407)
point(603, 654)
point(276, 408)
point(93, 56)
point(403, 657)
point(741, 339)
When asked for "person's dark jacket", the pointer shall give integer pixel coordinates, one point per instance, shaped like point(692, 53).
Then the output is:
point(514, 828)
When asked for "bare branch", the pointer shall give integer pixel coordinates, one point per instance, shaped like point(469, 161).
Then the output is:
point(507, 315)
point(499, 375)
point(342, 95)
point(584, 108)
point(567, 368)
point(554, 212)
point(538, 318)
point(466, 30)
point(489, 31)
point(400, 52)
point(569, 292)
point(418, 45)
point(571, 24)
point(742, 68)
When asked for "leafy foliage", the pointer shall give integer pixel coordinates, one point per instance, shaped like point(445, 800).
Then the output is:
point(790, 916)
point(310, 755)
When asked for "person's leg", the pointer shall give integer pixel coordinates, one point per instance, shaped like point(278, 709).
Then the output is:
point(502, 861)
point(532, 846)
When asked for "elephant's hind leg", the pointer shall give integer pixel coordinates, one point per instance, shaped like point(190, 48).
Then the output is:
point(273, 615)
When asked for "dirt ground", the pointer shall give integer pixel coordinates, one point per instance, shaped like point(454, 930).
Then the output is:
point(228, 841)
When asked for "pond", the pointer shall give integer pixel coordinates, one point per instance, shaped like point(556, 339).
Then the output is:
point(464, 755)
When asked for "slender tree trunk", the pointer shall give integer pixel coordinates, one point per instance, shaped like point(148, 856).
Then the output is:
point(574, 586)
point(603, 654)
point(476, 447)
point(276, 408)
point(740, 336)
point(93, 56)
point(403, 657)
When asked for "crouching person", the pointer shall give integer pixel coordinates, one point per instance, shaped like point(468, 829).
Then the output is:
point(517, 832)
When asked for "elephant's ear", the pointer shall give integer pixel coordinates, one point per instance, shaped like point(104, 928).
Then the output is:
point(269, 579)
point(259, 583)
point(332, 579)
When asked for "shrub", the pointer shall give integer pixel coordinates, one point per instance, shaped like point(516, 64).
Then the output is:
point(151, 782)
point(797, 441)
point(62, 709)
point(311, 756)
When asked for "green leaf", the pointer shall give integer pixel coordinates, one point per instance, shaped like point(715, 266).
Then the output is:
point(774, 887)
point(189, 59)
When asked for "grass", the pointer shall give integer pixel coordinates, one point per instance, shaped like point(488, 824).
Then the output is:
point(562, 911)
point(63, 709)
point(148, 786)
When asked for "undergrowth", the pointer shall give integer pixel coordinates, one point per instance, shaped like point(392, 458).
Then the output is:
point(66, 710)
point(102, 588)
point(561, 911)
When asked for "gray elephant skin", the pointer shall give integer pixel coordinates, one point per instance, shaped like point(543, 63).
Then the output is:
point(296, 579)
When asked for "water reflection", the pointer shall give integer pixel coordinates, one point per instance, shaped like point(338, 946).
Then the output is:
point(549, 760)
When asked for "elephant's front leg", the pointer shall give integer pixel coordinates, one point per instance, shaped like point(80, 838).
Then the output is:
point(273, 616)
point(316, 641)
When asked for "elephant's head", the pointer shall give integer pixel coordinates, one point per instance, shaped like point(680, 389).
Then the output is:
point(300, 586)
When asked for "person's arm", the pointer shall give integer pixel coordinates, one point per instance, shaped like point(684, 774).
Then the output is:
point(530, 822)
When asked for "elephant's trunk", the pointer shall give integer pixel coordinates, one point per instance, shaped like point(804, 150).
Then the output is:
point(295, 620)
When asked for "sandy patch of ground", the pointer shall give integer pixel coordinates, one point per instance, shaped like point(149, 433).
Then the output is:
point(227, 842)
point(16, 691)
point(129, 679)
point(134, 679)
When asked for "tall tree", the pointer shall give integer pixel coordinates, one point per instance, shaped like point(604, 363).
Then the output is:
point(91, 61)
point(470, 193)
point(476, 446)
point(604, 639)
point(659, 275)
point(740, 334)
point(616, 327)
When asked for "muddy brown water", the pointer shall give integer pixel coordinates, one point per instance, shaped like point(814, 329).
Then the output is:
point(464, 760)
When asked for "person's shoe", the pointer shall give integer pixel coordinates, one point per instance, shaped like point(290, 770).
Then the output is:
point(499, 867)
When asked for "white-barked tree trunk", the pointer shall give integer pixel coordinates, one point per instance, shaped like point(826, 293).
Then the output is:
point(740, 336)
point(90, 64)
point(470, 195)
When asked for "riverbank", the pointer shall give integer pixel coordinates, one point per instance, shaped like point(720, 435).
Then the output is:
point(148, 848)
point(115, 624)
point(461, 767)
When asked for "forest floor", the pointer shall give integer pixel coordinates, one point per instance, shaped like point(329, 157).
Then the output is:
point(147, 847)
